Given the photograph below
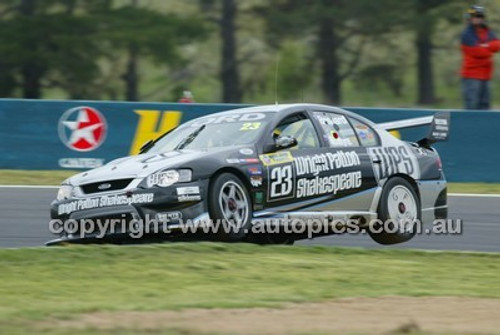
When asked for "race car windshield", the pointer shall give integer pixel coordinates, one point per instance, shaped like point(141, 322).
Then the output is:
point(197, 136)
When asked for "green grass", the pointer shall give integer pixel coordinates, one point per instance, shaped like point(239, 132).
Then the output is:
point(483, 188)
point(36, 177)
point(40, 282)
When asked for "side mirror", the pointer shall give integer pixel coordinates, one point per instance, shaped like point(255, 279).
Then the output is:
point(285, 142)
point(146, 146)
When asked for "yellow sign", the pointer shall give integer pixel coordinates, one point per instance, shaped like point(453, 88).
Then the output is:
point(152, 124)
point(276, 158)
point(395, 133)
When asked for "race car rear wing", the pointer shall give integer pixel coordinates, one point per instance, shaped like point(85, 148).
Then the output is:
point(439, 130)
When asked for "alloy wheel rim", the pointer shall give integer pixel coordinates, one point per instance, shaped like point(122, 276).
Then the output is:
point(233, 203)
point(402, 208)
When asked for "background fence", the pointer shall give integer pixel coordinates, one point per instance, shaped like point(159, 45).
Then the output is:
point(41, 134)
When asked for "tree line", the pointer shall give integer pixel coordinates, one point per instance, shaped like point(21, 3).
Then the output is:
point(94, 49)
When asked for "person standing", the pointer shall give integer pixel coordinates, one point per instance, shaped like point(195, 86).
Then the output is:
point(479, 43)
point(187, 97)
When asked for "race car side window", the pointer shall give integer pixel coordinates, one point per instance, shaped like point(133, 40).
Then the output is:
point(337, 129)
point(299, 127)
point(366, 134)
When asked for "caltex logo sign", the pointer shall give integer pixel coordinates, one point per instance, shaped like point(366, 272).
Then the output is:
point(82, 128)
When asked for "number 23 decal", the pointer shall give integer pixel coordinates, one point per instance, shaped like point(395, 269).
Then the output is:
point(280, 182)
point(250, 126)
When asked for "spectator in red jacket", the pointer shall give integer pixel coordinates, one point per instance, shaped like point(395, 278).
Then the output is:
point(479, 43)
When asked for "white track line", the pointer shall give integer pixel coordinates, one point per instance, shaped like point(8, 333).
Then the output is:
point(28, 186)
point(472, 195)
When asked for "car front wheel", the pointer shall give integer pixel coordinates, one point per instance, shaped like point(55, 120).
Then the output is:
point(230, 207)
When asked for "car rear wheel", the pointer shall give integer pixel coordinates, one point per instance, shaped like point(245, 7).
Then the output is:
point(398, 212)
point(230, 207)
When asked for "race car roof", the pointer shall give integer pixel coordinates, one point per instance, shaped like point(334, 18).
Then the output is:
point(279, 108)
point(294, 107)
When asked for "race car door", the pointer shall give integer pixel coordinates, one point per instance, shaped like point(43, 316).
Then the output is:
point(352, 170)
point(313, 172)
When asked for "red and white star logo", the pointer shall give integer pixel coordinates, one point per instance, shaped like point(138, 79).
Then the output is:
point(82, 128)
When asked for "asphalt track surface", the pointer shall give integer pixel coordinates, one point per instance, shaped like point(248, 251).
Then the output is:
point(24, 217)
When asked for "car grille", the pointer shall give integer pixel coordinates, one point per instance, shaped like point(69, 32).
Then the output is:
point(111, 185)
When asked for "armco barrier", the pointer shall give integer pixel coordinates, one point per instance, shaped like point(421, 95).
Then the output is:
point(41, 134)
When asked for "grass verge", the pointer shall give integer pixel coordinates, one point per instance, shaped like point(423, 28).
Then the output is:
point(477, 188)
point(62, 282)
point(47, 177)
point(34, 177)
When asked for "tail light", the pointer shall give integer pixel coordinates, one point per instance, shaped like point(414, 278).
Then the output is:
point(439, 163)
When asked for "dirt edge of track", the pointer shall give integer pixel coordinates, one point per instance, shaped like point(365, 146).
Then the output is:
point(354, 315)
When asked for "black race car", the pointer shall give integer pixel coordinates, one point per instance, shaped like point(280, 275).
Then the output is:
point(251, 173)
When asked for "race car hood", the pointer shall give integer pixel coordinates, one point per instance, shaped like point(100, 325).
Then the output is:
point(141, 166)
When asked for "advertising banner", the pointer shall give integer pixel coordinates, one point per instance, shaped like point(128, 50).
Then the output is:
point(48, 135)
point(51, 135)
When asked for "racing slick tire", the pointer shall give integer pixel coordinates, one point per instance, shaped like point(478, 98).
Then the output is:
point(230, 208)
point(399, 211)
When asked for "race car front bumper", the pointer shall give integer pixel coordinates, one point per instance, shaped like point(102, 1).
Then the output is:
point(129, 214)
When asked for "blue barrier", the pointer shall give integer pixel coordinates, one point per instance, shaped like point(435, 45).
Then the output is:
point(36, 134)
point(42, 134)
point(470, 155)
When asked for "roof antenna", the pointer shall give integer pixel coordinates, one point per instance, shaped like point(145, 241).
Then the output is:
point(276, 78)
